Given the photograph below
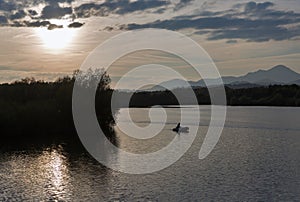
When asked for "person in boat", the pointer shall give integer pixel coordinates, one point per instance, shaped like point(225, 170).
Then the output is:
point(177, 127)
point(180, 129)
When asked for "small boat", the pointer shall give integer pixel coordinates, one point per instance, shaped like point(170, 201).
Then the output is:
point(180, 129)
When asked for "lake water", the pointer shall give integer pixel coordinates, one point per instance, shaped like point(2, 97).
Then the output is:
point(256, 159)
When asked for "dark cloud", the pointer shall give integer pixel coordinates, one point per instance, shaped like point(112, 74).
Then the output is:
point(253, 6)
point(210, 23)
point(160, 10)
point(182, 4)
point(7, 6)
point(3, 20)
point(55, 11)
point(117, 7)
point(207, 4)
point(18, 15)
point(140, 5)
point(91, 9)
point(256, 22)
point(37, 23)
point(108, 28)
point(18, 24)
point(32, 12)
point(45, 23)
point(75, 25)
point(54, 2)
point(259, 34)
point(54, 26)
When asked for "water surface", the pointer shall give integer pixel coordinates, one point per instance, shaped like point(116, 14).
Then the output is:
point(256, 159)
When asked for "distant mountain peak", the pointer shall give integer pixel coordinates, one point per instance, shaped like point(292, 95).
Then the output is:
point(277, 74)
point(275, 68)
point(281, 67)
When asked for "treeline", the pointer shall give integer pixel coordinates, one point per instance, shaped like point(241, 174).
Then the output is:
point(276, 95)
point(43, 110)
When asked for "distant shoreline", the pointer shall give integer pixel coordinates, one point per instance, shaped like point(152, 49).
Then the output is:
point(272, 96)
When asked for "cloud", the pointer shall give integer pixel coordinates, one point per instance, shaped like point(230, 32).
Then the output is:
point(37, 23)
point(253, 6)
point(120, 7)
point(259, 34)
point(249, 21)
point(32, 12)
point(14, 12)
point(115, 28)
point(108, 28)
point(90, 9)
point(7, 6)
point(255, 22)
point(54, 26)
point(182, 4)
point(54, 2)
point(18, 15)
point(45, 23)
point(75, 25)
point(55, 11)
point(207, 4)
point(3, 20)
point(140, 5)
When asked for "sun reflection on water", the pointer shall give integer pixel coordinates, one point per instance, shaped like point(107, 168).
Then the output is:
point(57, 169)
point(51, 173)
point(46, 174)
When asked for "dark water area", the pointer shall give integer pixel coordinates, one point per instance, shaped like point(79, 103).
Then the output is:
point(256, 159)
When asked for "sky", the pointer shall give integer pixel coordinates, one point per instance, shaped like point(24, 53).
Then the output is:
point(46, 39)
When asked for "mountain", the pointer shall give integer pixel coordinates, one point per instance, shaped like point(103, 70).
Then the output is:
point(277, 75)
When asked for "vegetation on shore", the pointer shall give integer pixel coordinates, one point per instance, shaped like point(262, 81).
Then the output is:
point(31, 109)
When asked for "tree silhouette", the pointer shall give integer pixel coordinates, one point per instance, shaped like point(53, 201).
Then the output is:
point(31, 109)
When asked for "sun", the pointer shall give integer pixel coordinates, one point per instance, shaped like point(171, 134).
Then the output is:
point(57, 39)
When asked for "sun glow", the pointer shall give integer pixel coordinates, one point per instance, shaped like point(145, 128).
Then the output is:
point(57, 39)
